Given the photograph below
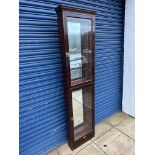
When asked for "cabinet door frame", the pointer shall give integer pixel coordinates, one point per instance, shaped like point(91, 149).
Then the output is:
point(63, 12)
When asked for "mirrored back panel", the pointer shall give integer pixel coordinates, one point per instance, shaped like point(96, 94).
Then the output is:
point(80, 47)
point(77, 38)
point(82, 111)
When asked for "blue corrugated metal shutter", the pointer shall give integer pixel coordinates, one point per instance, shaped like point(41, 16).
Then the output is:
point(42, 109)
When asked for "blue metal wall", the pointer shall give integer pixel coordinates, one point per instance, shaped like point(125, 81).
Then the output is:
point(42, 108)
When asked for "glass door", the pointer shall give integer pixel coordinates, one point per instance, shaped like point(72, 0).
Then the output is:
point(80, 59)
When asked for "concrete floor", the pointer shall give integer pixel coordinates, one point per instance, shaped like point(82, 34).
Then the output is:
point(114, 136)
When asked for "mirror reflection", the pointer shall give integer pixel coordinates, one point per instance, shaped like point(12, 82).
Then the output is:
point(77, 107)
point(74, 37)
point(79, 41)
point(82, 111)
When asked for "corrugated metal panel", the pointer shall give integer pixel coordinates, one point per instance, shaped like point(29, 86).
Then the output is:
point(42, 109)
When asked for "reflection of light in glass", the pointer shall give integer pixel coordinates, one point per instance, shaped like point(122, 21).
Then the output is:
point(79, 40)
point(77, 100)
point(73, 28)
point(74, 36)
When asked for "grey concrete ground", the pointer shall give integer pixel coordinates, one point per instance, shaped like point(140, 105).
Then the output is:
point(114, 136)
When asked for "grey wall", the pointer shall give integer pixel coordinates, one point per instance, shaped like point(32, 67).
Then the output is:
point(129, 60)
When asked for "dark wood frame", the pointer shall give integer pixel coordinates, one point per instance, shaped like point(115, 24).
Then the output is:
point(63, 12)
